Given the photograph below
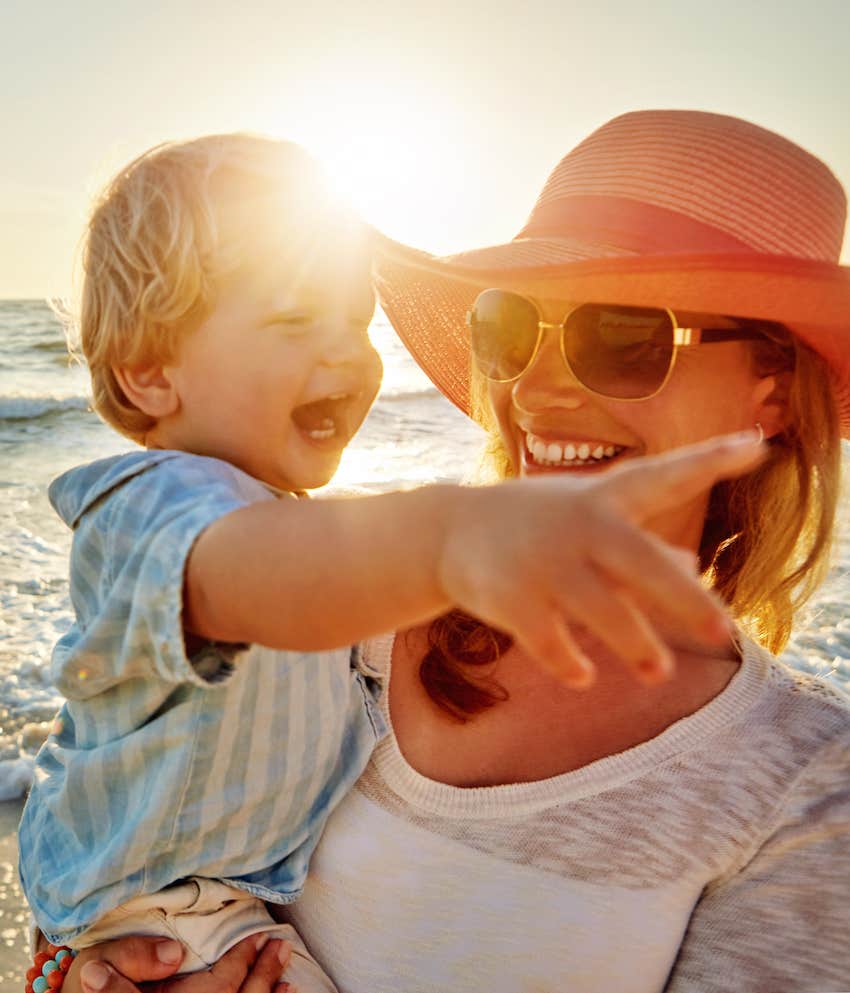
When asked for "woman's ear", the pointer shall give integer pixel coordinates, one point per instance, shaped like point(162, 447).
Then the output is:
point(771, 402)
point(149, 388)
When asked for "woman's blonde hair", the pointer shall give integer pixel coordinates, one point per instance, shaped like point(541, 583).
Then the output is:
point(766, 541)
point(159, 238)
point(768, 535)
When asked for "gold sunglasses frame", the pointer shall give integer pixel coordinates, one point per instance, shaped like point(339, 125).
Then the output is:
point(682, 338)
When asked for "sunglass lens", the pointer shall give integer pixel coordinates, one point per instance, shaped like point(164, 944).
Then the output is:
point(503, 333)
point(620, 352)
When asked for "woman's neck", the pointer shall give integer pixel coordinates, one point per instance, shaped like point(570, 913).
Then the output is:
point(543, 729)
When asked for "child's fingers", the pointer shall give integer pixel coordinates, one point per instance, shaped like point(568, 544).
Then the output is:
point(687, 560)
point(661, 579)
point(646, 487)
point(612, 617)
point(544, 635)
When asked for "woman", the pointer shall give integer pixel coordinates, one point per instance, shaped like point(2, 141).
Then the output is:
point(690, 836)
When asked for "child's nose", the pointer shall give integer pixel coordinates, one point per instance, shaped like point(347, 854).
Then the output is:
point(347, 342)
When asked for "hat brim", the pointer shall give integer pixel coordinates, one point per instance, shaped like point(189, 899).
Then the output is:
point(427, 298)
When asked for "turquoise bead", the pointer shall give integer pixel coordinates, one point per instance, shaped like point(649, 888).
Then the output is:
point(63, 954)
point(48, 967)
point(39, 985)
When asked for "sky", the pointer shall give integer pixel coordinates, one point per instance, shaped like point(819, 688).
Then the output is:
point(440, 120)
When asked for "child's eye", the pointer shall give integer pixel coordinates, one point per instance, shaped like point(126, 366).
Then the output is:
point(298, 321)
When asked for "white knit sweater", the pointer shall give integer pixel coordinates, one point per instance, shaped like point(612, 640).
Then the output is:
point(714, 858)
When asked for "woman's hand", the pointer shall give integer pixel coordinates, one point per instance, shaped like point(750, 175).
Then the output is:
point(576, 552)
point(253, 965)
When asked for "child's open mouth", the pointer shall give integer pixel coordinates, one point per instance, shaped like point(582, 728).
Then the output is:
point(327, 418)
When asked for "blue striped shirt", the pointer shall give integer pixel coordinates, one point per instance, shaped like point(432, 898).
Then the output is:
point(224, 765)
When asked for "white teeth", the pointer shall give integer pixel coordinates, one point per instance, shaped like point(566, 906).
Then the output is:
point(563, 453)
point(327, 430)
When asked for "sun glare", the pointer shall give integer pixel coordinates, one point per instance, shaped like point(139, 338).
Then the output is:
point(374, 172)
point(383, 150)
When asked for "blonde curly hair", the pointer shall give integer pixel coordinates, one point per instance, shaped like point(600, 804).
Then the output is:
point(160, 237)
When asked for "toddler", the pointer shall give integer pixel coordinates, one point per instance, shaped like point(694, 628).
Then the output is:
point(216, 712)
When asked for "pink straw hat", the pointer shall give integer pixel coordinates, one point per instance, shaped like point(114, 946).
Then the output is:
point(697, 212)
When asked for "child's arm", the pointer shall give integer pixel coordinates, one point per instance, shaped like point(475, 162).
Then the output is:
point(526, 556)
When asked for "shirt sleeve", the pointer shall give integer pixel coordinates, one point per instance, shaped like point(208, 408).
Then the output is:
point(128, 565)
point(780, 923)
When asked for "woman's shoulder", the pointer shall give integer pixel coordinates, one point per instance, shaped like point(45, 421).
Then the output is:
point(795, 718)
point(796, 694)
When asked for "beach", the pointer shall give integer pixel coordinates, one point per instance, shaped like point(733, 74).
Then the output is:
point(14, 951)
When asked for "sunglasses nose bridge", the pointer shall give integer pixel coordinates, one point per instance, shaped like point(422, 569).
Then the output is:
point(547, 380)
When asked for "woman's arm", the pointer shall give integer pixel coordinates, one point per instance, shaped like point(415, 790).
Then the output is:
point(251, 966)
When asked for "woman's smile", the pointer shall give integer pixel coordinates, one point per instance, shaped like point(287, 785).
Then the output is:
point(573, 453)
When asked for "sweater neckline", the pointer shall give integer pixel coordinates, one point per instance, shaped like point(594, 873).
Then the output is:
point(607, 773)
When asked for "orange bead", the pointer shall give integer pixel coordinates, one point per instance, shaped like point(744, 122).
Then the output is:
point(55, 979)
point(32, 972)
point(41, 958)
point(66, 963)
point(28, 988)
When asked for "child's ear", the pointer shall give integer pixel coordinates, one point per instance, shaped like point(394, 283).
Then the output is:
point(772, 397)
point(149, 388)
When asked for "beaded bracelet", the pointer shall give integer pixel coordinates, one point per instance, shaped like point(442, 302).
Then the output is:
point(49, 969)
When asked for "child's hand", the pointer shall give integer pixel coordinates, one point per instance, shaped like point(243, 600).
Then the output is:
point(572, 551)
point(251, 966)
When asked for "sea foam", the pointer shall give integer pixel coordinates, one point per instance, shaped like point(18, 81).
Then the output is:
point(29, 408)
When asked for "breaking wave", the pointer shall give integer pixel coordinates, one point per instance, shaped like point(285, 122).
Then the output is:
point(31, 408)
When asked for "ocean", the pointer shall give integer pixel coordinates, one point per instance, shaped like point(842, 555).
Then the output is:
point(412, 436)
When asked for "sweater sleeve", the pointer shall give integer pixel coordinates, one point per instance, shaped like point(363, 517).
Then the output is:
point(780, 923)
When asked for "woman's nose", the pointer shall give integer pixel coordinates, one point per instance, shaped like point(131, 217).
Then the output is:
point(548, 381)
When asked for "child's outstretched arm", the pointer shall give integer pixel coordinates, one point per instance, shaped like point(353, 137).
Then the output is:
point(529, 557)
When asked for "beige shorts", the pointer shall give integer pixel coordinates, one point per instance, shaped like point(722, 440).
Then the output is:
point(208, 918)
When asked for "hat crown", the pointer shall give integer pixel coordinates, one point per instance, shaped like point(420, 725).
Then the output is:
point(721, 173)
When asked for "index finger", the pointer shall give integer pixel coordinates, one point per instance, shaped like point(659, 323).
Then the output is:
point(644, 487)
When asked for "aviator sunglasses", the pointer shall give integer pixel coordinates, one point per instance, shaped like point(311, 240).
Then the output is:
point(623, 353)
